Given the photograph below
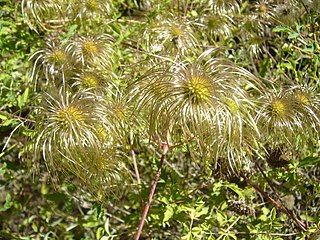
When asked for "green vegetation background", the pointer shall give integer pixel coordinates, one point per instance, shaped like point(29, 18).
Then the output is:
point(189, 202)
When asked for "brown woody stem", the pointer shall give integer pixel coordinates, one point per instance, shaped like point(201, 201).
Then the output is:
point(165, 149)
point(301, 224)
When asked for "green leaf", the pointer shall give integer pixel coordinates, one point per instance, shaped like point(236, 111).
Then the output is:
point(282, 29)
point(221, 217)
point(168, 214)
point(71, 31)
point(204, 211)
point(194, 13)
point(309, 161)
point(187, 237)
point(3, 117)
point(91, 224)
point(115, 28)
point(3, 168)
point(8, 203)
point(273, 214)
point(293, 35)
point(22, 99)
point(236, 189)
point(309, 48)
point(99, 232)
point(56, 197)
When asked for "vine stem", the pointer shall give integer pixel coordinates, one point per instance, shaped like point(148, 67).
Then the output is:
point(165, 149)
point(301, 224)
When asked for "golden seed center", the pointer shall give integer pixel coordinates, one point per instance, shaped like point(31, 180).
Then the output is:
point(302, 98)
point(92, 5)
point(90, 48)
point(90, 80)
point(198, 88)
point(278, 107)
point(58, 57)
point(69, 115)
point(176, 31)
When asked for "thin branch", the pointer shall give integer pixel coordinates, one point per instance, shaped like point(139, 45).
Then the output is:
point(165, 149)
point(279, 198)
point(227, 231)
point(271, 234)
point(137, 174)
point(301, 224)
point(135, 166)
point(17, 117)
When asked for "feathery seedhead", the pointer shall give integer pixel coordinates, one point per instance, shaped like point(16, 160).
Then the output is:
point(39, 11)
point(171, 34)
point(91, 50)
point(56, 62)
point(57, 57)
point(228, 7)
point(75, 136)
point(90, 79)
point(302, 97)
point(307, 104)
point(68, 123)
point(197, 87)
point(279, 108)
point(289, 114)
point(90, 10)
point(92, 5)
point(70, 115)
point(206, 99)
point(121, 113)
point(276, 117)
point(93, 79)
point(262, 7)
point(219, 26)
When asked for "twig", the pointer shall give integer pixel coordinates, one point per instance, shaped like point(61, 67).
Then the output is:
point(279, 198)
point(18, 117)
point(136, 170)
point(271, 234)
point(152, 191)
point(301, 224)
point(227, 231)
point(165, 148)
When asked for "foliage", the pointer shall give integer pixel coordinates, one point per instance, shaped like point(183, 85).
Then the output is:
point(94, 93)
